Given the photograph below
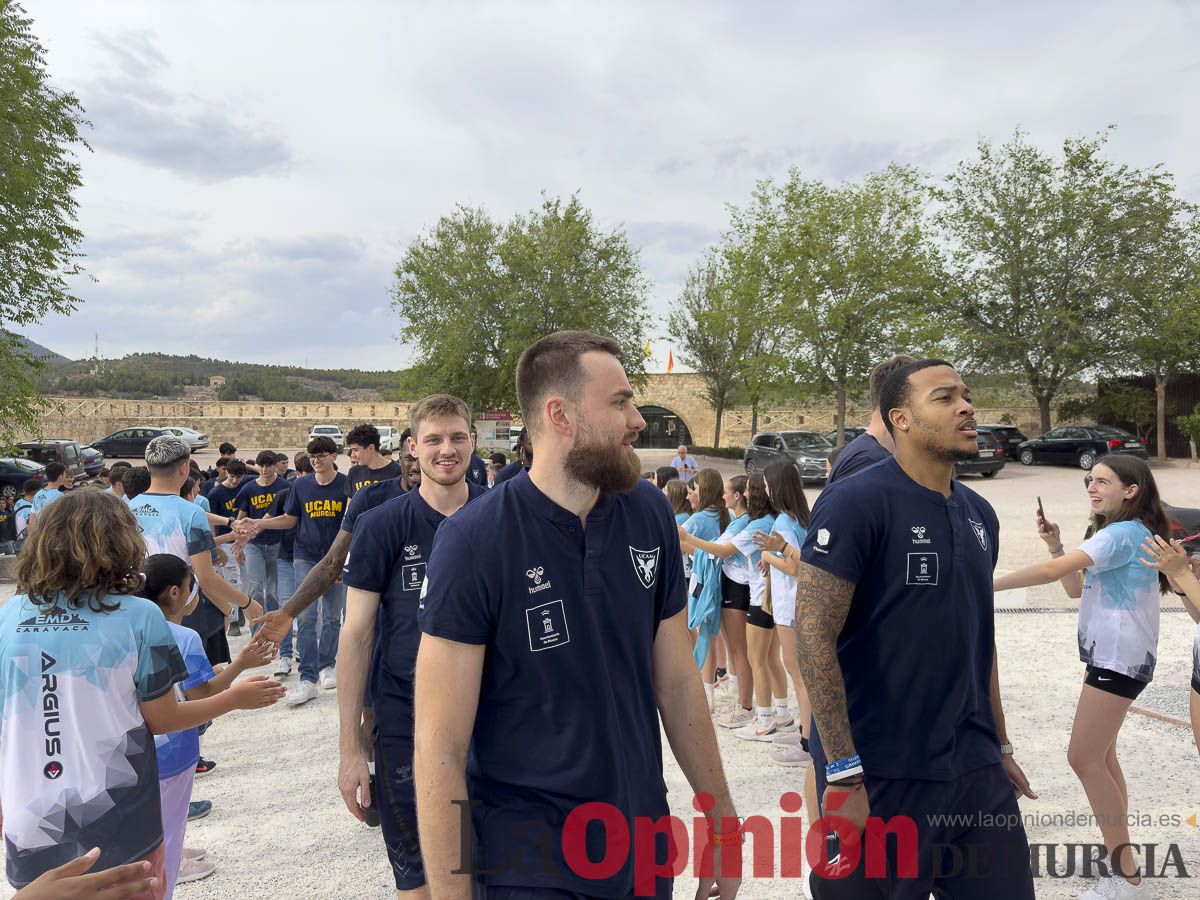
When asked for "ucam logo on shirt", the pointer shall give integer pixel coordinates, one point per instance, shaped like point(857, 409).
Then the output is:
point(980, 532)
point(645, 564)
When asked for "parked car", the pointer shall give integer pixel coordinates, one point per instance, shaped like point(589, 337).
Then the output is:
point(93, 461)
point(389, 439)
point(128, 442)
point(1080, 445)
point(850, 432)
point(1008, 438)
point(196, 440)
point(69, 453)
point(807, 449)
point(15, 471)
point(989, 461)
point(329, 431)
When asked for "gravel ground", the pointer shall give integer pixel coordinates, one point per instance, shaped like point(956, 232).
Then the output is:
point(278, 827)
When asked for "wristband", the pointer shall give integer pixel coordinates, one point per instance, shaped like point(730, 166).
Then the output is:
point(249, 600)
point(843, 768)
point(724, 839)
point(1057, 551)
point(1006, 749)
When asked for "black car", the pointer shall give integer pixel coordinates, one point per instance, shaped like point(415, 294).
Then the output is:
point(1080, 445)
point(850, 432)
point(15, 471)
point(989, 461)
point(807, 449)
point(1009, 437)
point(128, 442)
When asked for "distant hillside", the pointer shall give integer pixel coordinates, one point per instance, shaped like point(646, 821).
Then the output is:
point(144, 376)
point(37, 351)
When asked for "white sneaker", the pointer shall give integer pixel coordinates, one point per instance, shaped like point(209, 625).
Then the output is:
point(328, 679)
point(785, 726)
point(194, 870)
point(752, 732)
point(301, 693)
point(283, 666)
point(736, 718)
point(1114, 887)
point(794, 755)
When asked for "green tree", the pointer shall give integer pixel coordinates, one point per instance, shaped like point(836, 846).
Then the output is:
point(473, 293)
point(39, 173)
point(1189, 426)
point(1159, 313)
point(712, 336)
point(1037, 257)
point(847, 279)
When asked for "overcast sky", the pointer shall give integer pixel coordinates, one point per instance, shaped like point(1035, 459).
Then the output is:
point(258, 168)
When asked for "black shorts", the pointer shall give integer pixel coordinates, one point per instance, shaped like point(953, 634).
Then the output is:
point(733, 594)
point(1114, 683)
point(985, 859)
point(216, 648)
point(1196, 684)
point(759, 618)
point(398, 810)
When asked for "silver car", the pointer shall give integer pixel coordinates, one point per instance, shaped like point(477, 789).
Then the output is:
point(197, 440)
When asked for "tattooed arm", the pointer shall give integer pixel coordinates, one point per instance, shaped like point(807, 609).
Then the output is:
point(822, 604)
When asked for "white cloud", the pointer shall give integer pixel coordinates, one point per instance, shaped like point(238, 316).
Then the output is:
point(275, 155)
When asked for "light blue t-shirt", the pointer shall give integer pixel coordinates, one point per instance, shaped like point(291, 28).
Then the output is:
point(172, 525)
point(180, 750)
point(706, 526)
point(45, 497)
point(735, 566)
point(77, 762)
point(202, 502)
point(744, 541)
point(1118, 609)
point(783, 586)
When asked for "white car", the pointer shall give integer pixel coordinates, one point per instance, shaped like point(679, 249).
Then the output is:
point(329, 431)
point(196, 440)
point(389, 439)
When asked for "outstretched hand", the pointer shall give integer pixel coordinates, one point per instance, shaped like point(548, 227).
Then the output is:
point(68, 881)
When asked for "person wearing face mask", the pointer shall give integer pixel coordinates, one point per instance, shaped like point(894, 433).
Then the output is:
point(1118, 640)
point(567, 628)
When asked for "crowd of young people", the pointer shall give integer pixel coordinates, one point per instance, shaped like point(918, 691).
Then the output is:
point(391, 582)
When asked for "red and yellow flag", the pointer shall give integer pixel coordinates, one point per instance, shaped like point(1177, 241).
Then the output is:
point(670, 362)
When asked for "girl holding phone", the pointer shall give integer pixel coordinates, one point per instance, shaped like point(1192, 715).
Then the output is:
point(1118, 640)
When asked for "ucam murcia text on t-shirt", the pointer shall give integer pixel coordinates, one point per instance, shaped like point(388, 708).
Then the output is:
point(316, 509)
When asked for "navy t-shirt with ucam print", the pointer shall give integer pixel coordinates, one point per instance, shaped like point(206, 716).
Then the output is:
point(567, 714)
point(223, 502)
point(320, 508)
point(257, 500)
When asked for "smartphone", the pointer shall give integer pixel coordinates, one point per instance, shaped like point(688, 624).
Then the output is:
point(372, 811)
point(1041, 512)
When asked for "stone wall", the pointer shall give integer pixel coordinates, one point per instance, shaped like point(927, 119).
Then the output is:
point(259, 424)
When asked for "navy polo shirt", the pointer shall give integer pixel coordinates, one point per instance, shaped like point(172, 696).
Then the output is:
point(916, 650)
point(567, 712)
point(368, 498)
point(360, 477)
point(512, 470)
point(257, 501)
point(477, 470)
point(388, 557)
point(320, 508)
point(861, 452)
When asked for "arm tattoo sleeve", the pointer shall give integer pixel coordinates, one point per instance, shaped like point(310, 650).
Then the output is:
point(321, 578)
point(822, 603)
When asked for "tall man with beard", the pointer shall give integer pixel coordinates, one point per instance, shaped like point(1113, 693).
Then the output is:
point(896, 638)
point(384, 574)
point(551, 647)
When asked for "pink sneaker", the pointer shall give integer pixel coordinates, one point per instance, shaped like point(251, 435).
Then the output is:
point(788, 738)
point(194, 870)
point(197, 855)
